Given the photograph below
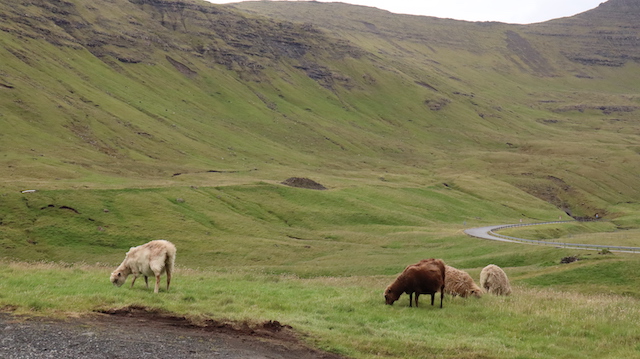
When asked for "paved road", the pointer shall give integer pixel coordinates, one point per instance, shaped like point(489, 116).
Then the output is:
point(484, 233)
point(488, 233)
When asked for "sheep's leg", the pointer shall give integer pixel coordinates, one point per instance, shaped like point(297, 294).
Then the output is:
point(146, 281)
point(411, 299)
point(433, 296)
point(441, 296)
point(168, 278)
point(134, 280)
point(417, 294)
point(156, 289)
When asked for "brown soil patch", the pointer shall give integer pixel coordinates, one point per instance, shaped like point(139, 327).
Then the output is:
point(266, 337)
point(268, 329)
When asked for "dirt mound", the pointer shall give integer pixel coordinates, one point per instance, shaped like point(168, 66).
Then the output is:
point(303, 183)
point(265, 337)
point(569, 259)
point(265, 329)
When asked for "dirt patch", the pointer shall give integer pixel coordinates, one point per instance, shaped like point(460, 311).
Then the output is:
point(139, 332)
point(267, 329)
point(303, 183)
point(438, 104)
point(569, 259)
point(182, 68)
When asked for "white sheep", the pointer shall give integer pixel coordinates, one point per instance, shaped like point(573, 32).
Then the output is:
point(458, 282)
point(150, 259)
point(494, 280)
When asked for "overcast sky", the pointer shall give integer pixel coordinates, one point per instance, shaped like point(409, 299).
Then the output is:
point(510, 11)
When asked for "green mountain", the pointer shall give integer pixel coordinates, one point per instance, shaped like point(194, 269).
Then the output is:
point(133, 120)
point(152, 93)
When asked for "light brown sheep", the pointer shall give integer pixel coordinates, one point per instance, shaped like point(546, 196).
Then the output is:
point(150, 259)
point(425, 277)
point(494, 280)
point(459, 282)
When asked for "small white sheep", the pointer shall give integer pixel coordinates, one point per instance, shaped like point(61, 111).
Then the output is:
point(458, 282)
point(150, 259)
point(494, 280)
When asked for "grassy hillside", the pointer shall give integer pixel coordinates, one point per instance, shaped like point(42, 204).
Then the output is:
point(250, 224)
point(544, 104)
point(114, 91)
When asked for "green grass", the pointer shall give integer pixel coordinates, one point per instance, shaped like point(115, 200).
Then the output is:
point(347, 315)
point(318, 261)
point(253, 224)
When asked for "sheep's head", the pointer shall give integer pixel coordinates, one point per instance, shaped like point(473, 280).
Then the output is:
point(390, 296)
point(118, 278)
point(476, 291)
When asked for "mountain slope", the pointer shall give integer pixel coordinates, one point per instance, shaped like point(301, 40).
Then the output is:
point(109, 92)
point(551, 88)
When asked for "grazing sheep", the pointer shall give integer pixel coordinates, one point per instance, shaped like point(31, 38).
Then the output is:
point(150, 259)
point(459, 282)
point(425, 277)
point(494, 280)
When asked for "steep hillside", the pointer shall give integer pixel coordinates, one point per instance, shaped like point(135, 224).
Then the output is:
point(111, 93)
point(142, 87)
point(561, 95)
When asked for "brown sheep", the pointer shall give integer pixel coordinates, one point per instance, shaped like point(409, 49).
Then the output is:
point(494, 280)
point(425, 277)
point(150, 259)
point(459, 282)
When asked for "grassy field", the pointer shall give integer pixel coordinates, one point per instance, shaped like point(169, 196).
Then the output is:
point(319, 261)
point(347, 315)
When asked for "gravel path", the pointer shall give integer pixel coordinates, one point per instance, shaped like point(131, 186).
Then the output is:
point(145, 335)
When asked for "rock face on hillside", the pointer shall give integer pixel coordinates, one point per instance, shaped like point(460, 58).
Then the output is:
point(225, 37)
point(615, 11)
point(608, 35)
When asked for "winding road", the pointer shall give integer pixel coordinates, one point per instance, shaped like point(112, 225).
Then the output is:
point(488, 232)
